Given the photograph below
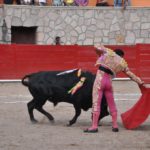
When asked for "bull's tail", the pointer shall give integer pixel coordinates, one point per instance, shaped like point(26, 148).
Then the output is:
point(25, 80)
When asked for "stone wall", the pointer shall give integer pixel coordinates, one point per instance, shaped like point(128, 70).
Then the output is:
point(1, 24)
point(79, 25)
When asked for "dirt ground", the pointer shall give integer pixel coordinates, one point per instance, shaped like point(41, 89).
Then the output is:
point(18, 133)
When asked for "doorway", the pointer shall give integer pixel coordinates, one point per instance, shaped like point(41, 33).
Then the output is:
point(23, 35)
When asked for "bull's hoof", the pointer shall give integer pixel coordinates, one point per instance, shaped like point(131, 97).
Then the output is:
point(52, 121)
point(68, 124)
point(34, 121)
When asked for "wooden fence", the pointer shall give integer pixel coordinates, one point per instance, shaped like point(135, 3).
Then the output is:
point(18, 60)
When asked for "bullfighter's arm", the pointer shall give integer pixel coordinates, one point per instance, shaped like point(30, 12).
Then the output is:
point(133, 77)
point(100, 49)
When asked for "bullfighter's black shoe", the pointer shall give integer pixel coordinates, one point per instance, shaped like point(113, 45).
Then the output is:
point(115, 129)
point(91, 130)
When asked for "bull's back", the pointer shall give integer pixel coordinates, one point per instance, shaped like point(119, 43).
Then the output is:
point(50, 83)
point(43, 77)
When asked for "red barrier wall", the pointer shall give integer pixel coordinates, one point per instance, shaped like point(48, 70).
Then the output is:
point(143, 55)
point(18, 60)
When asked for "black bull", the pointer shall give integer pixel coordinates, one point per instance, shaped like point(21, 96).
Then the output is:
point(49, 85)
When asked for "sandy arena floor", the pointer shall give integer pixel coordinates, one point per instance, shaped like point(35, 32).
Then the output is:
point(18, 133)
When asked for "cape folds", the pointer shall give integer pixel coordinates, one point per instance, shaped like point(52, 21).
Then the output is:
point(136, 115)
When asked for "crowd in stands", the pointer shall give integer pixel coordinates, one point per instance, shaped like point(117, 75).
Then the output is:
point(67, 2)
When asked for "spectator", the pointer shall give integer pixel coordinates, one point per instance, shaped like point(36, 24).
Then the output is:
point(58, 40)
point(102, 3)
point(26, 2)
point(118, 3)
point(58, 3)
point(126, 3)
point(69, 3)
point(42, 2)
point(81, 2)
point(18, 2)
point(8, 1)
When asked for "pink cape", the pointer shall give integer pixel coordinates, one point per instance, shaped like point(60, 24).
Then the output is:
point(136, 115)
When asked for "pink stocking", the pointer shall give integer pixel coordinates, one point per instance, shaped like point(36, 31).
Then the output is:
point(114, 120)
point(95, 117)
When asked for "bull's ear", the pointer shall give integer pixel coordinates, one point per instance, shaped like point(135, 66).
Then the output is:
point(79, 73)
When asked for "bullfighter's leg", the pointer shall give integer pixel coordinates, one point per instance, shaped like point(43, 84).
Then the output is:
point(95, 113)
point(77, 114)
point(113, 109)
point(97, 93)
point(31, 106)
point(103, 108)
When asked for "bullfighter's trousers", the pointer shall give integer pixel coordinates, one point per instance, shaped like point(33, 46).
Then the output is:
point(103, 84)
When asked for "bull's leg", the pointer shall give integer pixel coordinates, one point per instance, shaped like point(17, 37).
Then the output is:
point(31, 106)
point(40, 101)
point(49, 116)
point(77, 114)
